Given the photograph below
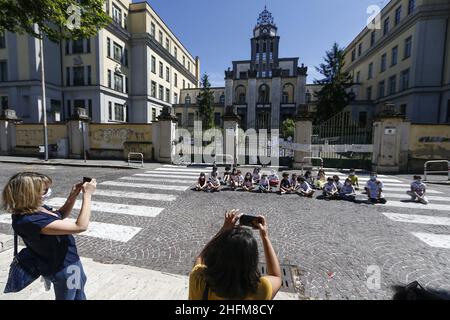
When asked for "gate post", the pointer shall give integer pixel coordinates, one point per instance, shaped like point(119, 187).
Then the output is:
point(302, 135)
point(163, 136)
point(77, 137)
point(390, 142)
point(7, 131)
point(231, 137)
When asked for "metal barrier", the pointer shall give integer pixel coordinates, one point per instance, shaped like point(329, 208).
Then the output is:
point(141, 155)
point(312, 158)
point(426, 172)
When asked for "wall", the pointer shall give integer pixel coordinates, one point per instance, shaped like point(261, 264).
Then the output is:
point(111, 141)
point(31, 135)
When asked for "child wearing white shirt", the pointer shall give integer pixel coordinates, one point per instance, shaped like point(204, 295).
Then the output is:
point(418, 190)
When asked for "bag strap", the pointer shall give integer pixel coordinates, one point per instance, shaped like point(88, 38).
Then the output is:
point(16, 244)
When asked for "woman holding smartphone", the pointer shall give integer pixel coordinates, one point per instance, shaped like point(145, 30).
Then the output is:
point(47, 233)
point(227, 268)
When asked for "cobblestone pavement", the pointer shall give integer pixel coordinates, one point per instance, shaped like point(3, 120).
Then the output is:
point(333, 245)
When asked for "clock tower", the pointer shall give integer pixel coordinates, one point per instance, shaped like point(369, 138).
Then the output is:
point(265, 44)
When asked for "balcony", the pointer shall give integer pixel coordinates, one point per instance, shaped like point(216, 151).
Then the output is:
point(288, 105)
point(263, 105)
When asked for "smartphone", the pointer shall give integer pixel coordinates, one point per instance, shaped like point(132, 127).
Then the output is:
point(86, 179)
point(249, 221)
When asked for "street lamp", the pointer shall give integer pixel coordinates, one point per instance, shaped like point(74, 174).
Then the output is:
point(44, 104)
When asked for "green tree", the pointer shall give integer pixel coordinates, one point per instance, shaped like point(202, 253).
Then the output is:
point(56, 19)
point(288, 128)
point(333, 97)
point(206, 109)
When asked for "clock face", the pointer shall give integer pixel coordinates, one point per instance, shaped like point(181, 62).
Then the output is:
point(265, 30)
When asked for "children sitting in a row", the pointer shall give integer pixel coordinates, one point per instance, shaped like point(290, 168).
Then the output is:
point(212, 185)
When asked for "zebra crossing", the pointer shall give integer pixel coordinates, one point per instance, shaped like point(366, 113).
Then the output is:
point(118, 197)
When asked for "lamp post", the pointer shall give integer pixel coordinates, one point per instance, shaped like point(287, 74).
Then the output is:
point(44, 103)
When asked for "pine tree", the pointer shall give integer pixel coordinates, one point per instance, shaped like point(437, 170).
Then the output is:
point(333, 97)
point(206, 108)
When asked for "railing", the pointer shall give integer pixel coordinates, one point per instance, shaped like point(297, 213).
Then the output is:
point(141, 156)
point(447, 172)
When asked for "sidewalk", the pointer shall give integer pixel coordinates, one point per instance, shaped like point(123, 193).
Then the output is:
point(114, 164)
point(111, 282)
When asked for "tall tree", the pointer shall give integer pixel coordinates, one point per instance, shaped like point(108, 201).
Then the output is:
point(288, 128)
point(206, 108)
point(56, 19)
point(334, 95)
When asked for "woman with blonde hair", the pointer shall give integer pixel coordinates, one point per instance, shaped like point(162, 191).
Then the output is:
point(47, 233)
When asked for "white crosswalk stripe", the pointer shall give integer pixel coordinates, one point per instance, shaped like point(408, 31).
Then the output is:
point(105, 231)
point(150, 179)
point(135, 195)
point(171, 176)
point(183, 167)
point(418, 219)
point(144, 186)
point(434, 240)
point(412, 205)
point(142, 211)
point(393, 189)
point(183, 170)
point(193, 174)
point(404, 196)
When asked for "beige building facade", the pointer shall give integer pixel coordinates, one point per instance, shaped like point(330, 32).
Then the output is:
point(403, 60)
point(127, 73)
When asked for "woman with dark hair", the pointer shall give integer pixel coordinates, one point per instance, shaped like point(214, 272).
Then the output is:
point(227, 268)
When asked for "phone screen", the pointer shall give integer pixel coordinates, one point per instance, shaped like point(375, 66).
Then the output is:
point(86, 179)
point(249, 221)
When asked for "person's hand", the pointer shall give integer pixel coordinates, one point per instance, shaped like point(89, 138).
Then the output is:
point(76, 189)
point(231, 217)
point(262, 227)
point(88, 188)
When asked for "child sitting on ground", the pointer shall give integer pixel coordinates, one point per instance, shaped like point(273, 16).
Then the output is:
point(214, 183)
point(294, 183)
point(247, 185)
point(264, 185)
point(321, 179)
point(374, 190)
point(201, 184)
point(338, 183)
point(330, 191)
point(304, 188)
point(226, 176)
point(256, 175)
point(285, 184)
point(347, 191)
point(418, 190)
point(309, 178)
point(238, 180)
point(354, 178)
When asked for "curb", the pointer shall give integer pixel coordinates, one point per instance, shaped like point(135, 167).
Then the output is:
point(71, 164)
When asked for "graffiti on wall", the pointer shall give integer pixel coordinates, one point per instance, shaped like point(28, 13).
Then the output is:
point(33, 135)
point(113, 137)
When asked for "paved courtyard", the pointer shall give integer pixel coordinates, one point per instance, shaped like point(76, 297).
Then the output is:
point(149, 218)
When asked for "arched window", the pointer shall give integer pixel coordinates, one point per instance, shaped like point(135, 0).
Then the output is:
point(308, 97)
point(199, 97)
point(264, 94)
point(187, 100)
point(241, 95)
point(222, 99)
point(288, 93)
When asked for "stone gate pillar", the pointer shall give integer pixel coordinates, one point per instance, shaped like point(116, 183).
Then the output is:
point(78, 134)
point(163, 136)
point(302, 136)
point(390, 142)
point(8, 119)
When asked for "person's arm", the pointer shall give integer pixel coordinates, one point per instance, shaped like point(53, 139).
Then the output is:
point(231, 217)
point(65, 227)
point(67, 208)
point(272, 263)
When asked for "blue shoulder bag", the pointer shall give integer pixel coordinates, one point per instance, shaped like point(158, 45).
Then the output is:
point(22, 271)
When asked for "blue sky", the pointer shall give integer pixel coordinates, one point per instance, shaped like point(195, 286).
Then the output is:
point(219, 31)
